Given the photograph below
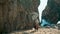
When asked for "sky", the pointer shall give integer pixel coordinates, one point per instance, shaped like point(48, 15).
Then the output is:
point(41, 7)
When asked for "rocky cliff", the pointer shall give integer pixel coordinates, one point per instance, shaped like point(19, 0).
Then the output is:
point(52, 11)
point(18, 14)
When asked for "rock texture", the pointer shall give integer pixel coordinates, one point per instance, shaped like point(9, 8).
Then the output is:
point(18, 14)
point(52, 11)
point(40, 31)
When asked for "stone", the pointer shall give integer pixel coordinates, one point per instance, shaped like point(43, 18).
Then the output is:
point(52, 11)
point(16, 14)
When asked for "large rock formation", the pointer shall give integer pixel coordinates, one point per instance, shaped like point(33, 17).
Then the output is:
point(52, 11)
point(18, 14)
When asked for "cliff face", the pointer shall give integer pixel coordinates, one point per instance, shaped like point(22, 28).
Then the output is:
point(52, 11)
point(18, 14)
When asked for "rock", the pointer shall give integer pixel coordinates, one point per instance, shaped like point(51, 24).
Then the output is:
point(2, 1)
point(16, 14)
point(52, 11)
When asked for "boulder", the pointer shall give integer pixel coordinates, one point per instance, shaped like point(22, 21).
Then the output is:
point(52, 11)
point(18, 14)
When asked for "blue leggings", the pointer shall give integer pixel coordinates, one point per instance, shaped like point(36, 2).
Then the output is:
point(44, 22)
